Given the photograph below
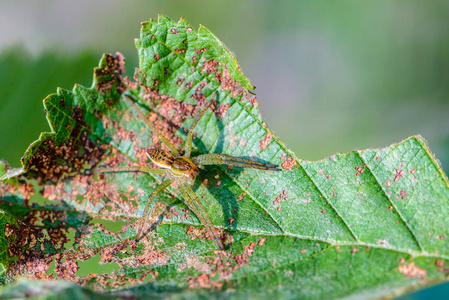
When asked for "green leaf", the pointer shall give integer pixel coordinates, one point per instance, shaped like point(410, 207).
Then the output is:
point(366, 223)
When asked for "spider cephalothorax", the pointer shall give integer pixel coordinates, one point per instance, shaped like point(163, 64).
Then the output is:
point(183, 170)
point(180, 166)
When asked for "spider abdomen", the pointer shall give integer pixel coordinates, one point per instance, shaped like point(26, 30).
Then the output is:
point(161, 158)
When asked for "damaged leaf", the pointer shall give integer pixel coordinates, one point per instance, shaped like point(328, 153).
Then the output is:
point(370, 222)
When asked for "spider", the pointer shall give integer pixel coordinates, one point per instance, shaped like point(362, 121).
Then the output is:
point(183, 170)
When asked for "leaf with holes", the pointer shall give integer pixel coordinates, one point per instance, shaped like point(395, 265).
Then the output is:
point(370, 222)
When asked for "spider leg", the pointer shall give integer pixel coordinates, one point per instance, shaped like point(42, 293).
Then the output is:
point(223, 159)
point(160, 188)
point(170, 146)
point(190, 134)
point(194, 204)
point(133, 169)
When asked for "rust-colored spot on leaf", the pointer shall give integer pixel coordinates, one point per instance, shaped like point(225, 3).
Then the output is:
point(222, 110)
point(439, 263)
point(359, 170)
point(67, 269)
point(388, 183)
point(412, 270)
point(52, 161)
point(201, 233)
point(111, 75)
point(403, 194)
point(204, 281)
point(240, 197)
point(288, 163)
point(399, 174)
point(279, 197)
point(199, 51)
point(265, 141)
point(211, 66)
point(35, 246)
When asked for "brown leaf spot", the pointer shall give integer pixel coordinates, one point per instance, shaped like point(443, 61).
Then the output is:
point(388, 183)
point(174, 31)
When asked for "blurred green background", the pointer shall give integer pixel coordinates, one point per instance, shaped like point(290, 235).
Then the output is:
point(331, 76)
